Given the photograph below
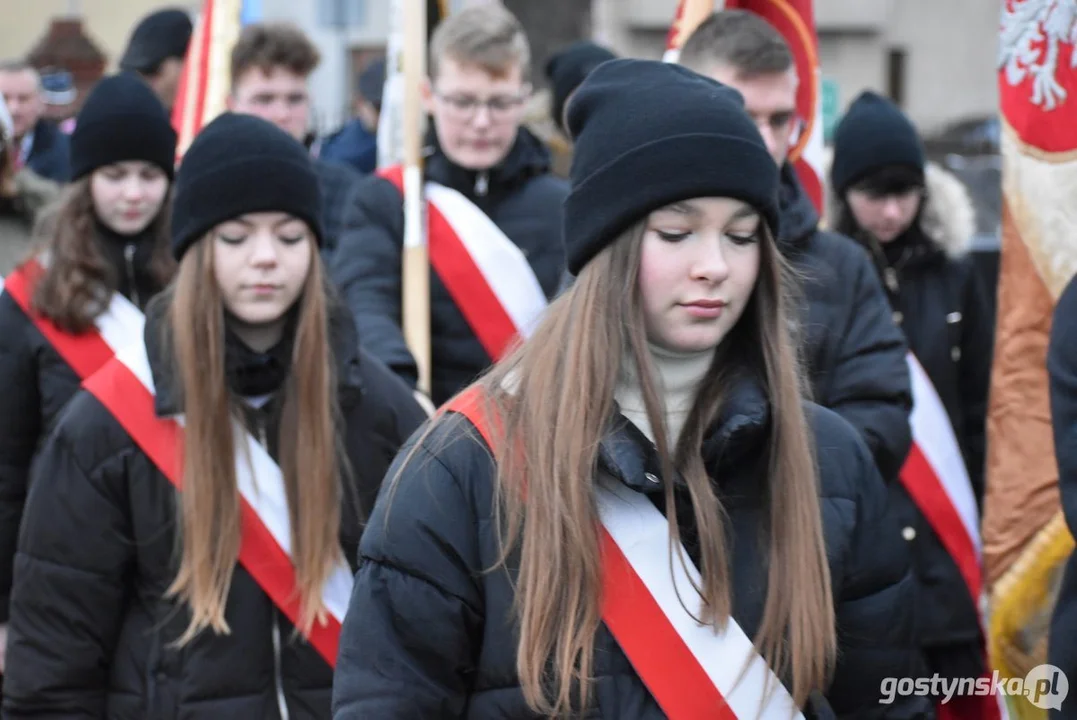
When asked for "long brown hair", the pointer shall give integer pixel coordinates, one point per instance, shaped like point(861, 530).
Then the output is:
point(78, 281)
point(554, 396)
point(311, 460)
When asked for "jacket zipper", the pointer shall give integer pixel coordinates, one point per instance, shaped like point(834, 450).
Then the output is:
point(482, 184)
point(278, 672)
point(129, 257)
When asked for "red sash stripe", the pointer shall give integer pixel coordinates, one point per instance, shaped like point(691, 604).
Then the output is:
point(665, 664)
point(468, 288)
point(132, 404)
point(85, 352)
point(927, 493)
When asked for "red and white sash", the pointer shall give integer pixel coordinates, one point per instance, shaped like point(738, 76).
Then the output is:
point(125, 387)
point(487, 275)
point(118, 326)
point(694, 671)
point(936, 479)
point(934, 474)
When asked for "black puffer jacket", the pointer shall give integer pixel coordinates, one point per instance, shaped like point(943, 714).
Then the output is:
point(1062, 366)
point(429, 631)
point(854, 353)
point(35, 385)
point(519, 195)
point(945, 316)
point(91, 634)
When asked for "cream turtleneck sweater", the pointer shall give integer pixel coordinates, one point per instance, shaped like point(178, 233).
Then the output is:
point(679, 375)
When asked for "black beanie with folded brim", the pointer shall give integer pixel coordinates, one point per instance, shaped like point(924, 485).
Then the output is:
point(649, 134)
point(568, 68)
point(122, 120)
point(873, 134)
point(240, 164)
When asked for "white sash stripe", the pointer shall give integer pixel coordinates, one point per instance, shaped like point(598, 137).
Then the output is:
point(642, 534)
point(499, 259)
point(934, 435)
point(261, 485)
point(122, 324)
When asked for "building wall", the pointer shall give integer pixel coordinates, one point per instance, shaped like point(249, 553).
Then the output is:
point(108, 23)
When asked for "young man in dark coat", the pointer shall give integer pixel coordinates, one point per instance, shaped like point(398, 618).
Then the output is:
point(854, 353)
point(479, 60)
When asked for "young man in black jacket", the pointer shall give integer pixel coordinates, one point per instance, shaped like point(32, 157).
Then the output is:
point(853, 351)
point(500, 198)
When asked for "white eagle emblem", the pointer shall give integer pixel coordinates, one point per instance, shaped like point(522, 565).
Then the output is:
point(1033, 33)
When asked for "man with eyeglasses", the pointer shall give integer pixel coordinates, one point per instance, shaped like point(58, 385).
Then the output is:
point(489, 180)
point(854, 353)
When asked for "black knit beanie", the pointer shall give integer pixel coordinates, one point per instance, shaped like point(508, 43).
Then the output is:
point(568, 68)
point(122, 120)
point(241, 164)
point(649, 134)
point(873, 134)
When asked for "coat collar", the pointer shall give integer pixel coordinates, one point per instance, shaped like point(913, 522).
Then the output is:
point(735, 437)
point(343, 339)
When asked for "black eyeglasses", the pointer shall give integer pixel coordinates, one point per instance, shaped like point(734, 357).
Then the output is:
point(466, 106)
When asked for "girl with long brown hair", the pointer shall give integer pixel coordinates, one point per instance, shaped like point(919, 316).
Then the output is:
point(200, 576)
point(515, 567)
point(102, 254)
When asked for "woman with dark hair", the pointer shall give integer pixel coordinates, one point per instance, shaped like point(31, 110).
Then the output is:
point(916, 221)
point(190, 534)
point(635, 514)
point(102, 255)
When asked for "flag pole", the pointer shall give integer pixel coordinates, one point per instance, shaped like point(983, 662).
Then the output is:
point(415, 269)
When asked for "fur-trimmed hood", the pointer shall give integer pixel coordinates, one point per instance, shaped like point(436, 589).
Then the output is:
point(948, 217)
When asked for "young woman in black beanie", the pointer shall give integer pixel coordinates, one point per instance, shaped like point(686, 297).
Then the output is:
point(189, 537)
point(916, 221)
point(103, 254)
point(644, 460)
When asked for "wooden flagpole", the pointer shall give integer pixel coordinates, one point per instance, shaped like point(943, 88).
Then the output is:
point(416, 261)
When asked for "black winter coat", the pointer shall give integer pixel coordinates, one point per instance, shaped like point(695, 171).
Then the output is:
point(36, 384)
point(853, 351)
point(1062, 367)
point(430, 632)
point(340, 188)
point(519, 195)
point(941, 308)
point(91, 633)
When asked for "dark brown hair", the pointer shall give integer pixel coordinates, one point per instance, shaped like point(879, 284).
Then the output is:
point(312, 460)
point(738, 39)
point(78, 281)
point(487, 36)
point(270, 45)
point(554, 396)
